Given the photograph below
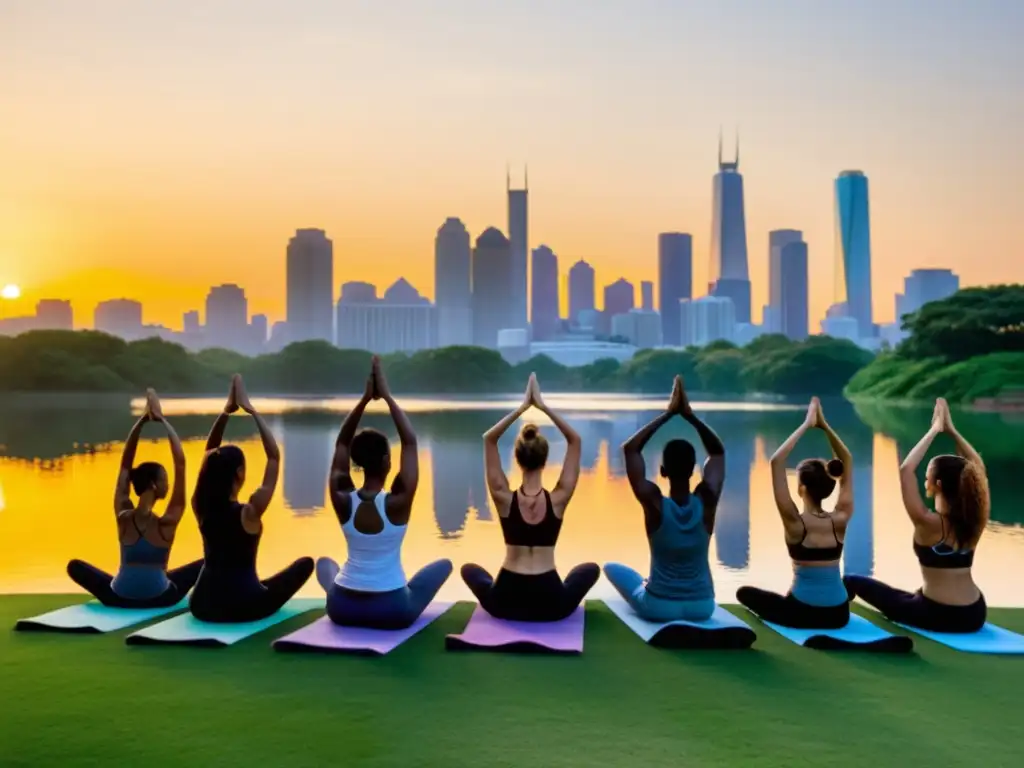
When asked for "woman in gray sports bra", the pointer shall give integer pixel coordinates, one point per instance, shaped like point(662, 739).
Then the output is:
point(143, 581)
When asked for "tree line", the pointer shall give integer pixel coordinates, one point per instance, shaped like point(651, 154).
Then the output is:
point(93, 362)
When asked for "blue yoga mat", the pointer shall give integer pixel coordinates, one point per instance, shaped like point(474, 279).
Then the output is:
point(94, 618)
point(723, 630)
point(187, 630)
point(989, 639)
point(859, 635)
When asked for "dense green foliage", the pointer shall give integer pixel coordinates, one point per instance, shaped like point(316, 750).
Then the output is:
point(87, 361)
point(966, 347)
point(621, 703)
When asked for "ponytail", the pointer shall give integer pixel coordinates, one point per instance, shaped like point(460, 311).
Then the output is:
point(971, 509)
point(217, 478)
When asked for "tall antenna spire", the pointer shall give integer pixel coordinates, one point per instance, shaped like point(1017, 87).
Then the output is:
point(508, 177)
point(719, 145)
point(526, 178)
point(737, 149)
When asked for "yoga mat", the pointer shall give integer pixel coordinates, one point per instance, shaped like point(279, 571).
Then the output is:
point(858, 635)
point(94, 618)
point(988, 639)
point(722, 631)
point(324, 635)
point(187, 630)
point(486, 633)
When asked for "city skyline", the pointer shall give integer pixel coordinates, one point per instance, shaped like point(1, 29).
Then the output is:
point(177, 173)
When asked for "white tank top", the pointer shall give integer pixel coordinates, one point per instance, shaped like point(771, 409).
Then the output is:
point(374, 561)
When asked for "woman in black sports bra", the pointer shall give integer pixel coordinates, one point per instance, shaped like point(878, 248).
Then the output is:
point(228, 589)
point(944, 540)
point(528, 587)
point(817, 599)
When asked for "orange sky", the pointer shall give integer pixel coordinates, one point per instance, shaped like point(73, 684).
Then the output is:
point(149, 152)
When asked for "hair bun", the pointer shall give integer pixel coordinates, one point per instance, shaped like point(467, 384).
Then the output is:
point(834, 467)
point(529, 432)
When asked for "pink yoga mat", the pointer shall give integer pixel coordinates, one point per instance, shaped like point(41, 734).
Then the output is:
point(324, 635)
point(486, 633)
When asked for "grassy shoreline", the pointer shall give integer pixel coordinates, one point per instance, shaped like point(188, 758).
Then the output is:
point(91, 700)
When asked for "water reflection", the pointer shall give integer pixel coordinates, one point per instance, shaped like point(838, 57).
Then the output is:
point(63, 457)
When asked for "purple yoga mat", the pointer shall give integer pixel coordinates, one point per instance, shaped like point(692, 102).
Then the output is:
point(324, 635)
point(486, 633)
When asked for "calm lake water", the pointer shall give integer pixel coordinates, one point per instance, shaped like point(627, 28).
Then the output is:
point(59, 460)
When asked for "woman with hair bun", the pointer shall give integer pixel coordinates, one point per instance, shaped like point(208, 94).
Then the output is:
point(944, 540)
point(142, 580)
point(528, 587)
point(817, 599)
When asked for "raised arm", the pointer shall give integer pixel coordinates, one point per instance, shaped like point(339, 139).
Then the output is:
point(780, 486)
point(216, 436)
point(497, 482)
point(566, 485)
point(403, 493)
point(910, 489)
point(340, 480)
point(176, 502)
point(965, 449)
point(260, 499)
point(123, 488)
point(844, 502)
point(713, 472)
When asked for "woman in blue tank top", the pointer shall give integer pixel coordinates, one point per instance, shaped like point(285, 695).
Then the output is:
point(817, 599)
point(143, 581)
point(679, 526)
point(370, 589)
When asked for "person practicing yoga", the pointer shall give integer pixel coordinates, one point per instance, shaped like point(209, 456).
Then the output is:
point(817, 599)
point(679, 526)
point(528, 587)
point(143, 581)
point(229, 590)
point(370, 589)
point(944, 540)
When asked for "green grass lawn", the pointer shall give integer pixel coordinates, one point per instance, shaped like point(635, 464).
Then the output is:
point(90, 700)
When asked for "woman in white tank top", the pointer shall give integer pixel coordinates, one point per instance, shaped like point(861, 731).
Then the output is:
point(370, 589)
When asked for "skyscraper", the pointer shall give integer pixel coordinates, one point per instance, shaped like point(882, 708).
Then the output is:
point(581, 289)
point(675, 281)
point(619, 298)
point(54, 315)
point(119, 317)
point(853, 250)
point(646, 295)
point(544, 312)
point(519, 244)
point(227, 317)
point(453, 290)
point(787, 283)
point(493, 302)
point(310, 286)
point(922, 286)
point(728, 275)
point(707, 319)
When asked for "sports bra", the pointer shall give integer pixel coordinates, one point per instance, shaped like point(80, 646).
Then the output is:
point(942, 555)
point(143, 551)
point(519, 533)
point(816, 554)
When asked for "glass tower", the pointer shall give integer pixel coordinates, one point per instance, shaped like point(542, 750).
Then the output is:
point(853, 250)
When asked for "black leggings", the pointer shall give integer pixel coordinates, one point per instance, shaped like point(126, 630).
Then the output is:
point(97, 583)
point(915, 610)
point(226, 597)
point(535, 597)
point(787, 611)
